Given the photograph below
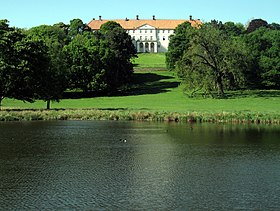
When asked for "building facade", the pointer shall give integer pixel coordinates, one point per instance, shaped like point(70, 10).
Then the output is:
point(150, 35)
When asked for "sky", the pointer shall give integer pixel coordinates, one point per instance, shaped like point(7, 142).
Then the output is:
point(30, 13)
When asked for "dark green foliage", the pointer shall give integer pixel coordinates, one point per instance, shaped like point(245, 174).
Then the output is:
point(274, 26)
point(53, 82)
point(84, 64)
point(109, 26)
point(116, 52)
point(233, 29)
point(100, 61)
point(179, 42)
point(213, 62)
point(23, 61)
point(76, 27)
point(264, 44)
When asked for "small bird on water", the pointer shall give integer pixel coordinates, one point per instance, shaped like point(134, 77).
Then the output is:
point(123, 140)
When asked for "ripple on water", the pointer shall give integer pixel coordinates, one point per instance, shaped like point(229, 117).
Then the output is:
point(83, 166)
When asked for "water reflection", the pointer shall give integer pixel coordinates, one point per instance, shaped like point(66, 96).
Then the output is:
point(85, 165)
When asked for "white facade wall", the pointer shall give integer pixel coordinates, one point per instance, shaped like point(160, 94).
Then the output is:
point(149, 39)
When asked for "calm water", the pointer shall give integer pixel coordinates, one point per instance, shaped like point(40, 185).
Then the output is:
point(83, 165)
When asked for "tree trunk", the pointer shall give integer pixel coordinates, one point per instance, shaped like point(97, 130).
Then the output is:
point(48, 104)
point(220, 87)
point(1, 98)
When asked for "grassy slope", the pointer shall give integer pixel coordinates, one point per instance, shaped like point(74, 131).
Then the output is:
point(145, 60)
point(159, 91)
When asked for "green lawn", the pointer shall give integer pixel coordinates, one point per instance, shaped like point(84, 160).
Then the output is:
point(148, 60)
point(159, 91)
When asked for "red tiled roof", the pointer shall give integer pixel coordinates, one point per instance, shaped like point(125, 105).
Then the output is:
point(134, 24)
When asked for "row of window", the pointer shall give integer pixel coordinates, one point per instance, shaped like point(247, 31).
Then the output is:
point(151, 38)
point(151, 31)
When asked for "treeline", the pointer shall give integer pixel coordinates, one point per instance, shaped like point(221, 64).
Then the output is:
point(216, 57)
point(43, 62)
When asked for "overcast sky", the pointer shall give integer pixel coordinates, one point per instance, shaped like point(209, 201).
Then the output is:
point(29, 13)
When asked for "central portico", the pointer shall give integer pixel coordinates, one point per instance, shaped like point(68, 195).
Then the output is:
point(145, 39)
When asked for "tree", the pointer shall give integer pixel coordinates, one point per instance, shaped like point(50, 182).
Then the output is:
point(54, 80)
point(233, 29)
point(230, 28)
point(179, 42)
point(77, 27)
point(83, 63)
point(100, 61)
point(4, 65)
point(264, 45)
point(255, 24)
point(213, 62)
point(116, 52)
point(21, 61)
point(274, 26)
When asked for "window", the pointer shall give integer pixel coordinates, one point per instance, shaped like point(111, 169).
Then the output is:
point(140, 31)
point(133, 37)
point(133, 31)
point(140, 37)
point(145, 31)
point(163, 38)
point(162, 31)
point(151, 37)
point(146, 38)
point(151, 31)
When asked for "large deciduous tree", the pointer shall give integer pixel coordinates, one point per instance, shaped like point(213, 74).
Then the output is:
point(213, 62)
point(83, 63)
point(99, 61)
point(264, 45)
point(54, 80)
point(116, 52)
point(21, 61)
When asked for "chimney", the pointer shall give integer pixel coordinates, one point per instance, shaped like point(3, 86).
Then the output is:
point(93, 19)
point(154, 17)
point(191, 18)
point(126, 19)
point(137, 17)
point(100, 18)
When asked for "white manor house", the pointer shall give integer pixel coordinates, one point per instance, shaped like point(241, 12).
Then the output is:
point(150, 35)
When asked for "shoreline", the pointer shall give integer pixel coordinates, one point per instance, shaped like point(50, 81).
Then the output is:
point(139, 115)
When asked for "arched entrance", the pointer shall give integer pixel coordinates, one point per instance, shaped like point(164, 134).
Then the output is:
point(152, 47)
point(147, 47)
point(141, 47)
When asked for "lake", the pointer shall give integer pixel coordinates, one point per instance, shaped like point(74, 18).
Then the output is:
point(115, 165)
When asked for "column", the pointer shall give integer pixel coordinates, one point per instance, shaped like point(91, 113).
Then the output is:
point(155, 46)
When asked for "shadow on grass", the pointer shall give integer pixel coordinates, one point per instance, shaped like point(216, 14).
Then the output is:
point(144, 83)
point(150, 83)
